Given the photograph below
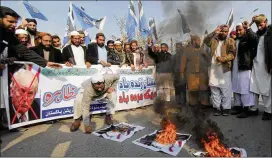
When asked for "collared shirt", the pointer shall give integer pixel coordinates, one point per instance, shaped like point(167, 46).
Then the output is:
point(32, 40)
point(19, 115)
point(46, 55)
point(102, 54)
point(78, 55)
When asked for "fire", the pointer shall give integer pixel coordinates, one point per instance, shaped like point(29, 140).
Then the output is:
point(215, 148)
point(168, 134)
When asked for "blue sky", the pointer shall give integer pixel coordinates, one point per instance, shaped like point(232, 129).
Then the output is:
point(56, 12)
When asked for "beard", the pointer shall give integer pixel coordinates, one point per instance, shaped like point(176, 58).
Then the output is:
point(222, 37)
point(111, 49)
point(100, 44)
point(46, 48)
point(32, 32)
point(261, 32)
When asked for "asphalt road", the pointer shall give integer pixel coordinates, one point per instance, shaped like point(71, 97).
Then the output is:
point(43, 140)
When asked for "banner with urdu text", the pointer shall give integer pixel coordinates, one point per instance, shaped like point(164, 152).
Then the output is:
point(34, 94)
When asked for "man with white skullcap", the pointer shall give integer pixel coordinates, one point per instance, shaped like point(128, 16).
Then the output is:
point(241, 71)
point(96, 88)
point(75, 53)
point(23, 37)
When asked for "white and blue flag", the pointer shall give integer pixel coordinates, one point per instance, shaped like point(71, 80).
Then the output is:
point(33, 11)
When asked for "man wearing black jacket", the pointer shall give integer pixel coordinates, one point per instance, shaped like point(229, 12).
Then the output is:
point(47, 51)
point(8, 21)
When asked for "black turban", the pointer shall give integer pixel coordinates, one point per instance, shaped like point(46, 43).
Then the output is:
point(110, 41)
point(164, 44)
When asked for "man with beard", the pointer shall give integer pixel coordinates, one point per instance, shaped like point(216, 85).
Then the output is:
point(113, 57)
point(30, 25)
point(74, 53)
point(129, 56)
point(47, 51)
point(119, 51)
point(9, 43)
point(262, 67)
point(82, 38)
point(194, 67)
point(101, 88)
point(56, 43)
point(241, 71)
point(222, 53)
point(97, 52)
point(139, 56)
point(164, 70)
point(180, 84)
point(23, 37)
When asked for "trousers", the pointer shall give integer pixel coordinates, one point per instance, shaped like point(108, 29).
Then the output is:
point(221, 97)
point(79, 111)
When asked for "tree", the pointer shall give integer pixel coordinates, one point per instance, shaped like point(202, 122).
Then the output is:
point(121, 22)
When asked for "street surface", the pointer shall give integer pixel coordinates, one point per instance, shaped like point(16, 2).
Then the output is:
point(44, 140)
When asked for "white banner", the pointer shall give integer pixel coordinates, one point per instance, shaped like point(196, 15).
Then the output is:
point(57, 89)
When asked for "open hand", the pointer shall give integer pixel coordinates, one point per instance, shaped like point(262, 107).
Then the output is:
point(88, 64)
point(217, 30)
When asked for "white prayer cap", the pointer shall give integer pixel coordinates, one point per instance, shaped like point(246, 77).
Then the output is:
point(239, 24)
point(21, 31)
point(97, 78)
point(93, 41)
point(74, 33)
point(117, 42)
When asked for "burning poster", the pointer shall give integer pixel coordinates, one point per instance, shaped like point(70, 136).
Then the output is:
point(171, 146)
point(237, 152)
point(119, 132)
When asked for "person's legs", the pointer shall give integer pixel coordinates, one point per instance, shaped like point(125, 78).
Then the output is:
point(247, 101)
point(216, 100)
point(237, 108)
point(267, 108)
point(226, 99)
point(193, 98)
point(204, 98)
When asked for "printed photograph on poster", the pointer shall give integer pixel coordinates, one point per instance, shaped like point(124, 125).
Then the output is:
point(118, 132)
point(24, 105)
point(149, 142)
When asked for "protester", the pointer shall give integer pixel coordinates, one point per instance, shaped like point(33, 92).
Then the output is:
point(100, 88)
point(97, 51)
point(30, 25)
point(129, 56)
point(241, 71)
point(118, 45)
point(262, 67)
point(233, 35)
point(74, 53)
point(8, 21)
point(180, 84)
point(82, 38)
point(223, 53)
point(164, 70)
point(47, 51)
point(194, 66)
point(56, 43)
point(23, 37)
point(113, 58)
point(139, 56)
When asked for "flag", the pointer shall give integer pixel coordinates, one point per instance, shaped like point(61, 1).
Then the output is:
point(206, 33)
point(185, 27)
point(230, 21)
point(152, 28)
point(86, 21)
point(255, 10)
point(131, 22)
point(70, 25)
point(34, 12)
point(143, 28)
point(87, 38)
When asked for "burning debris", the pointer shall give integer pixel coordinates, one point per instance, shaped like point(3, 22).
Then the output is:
point(168, 133)
point(215, 148)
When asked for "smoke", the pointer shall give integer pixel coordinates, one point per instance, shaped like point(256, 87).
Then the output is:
point(199, 15)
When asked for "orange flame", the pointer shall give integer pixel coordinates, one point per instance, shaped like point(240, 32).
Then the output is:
point(168, 134)
point(215, 148)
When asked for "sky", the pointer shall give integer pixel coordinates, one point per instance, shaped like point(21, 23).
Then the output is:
point(57, 12)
